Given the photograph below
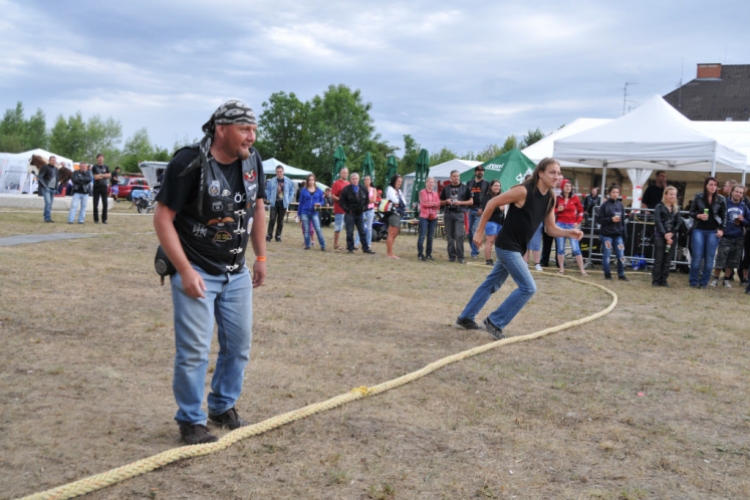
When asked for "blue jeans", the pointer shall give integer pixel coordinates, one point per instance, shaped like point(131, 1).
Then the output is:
point(474, 218)
point(339, 223)
point(426, 229)
point(536, 241)
point(355, 226)
point(560, 242)
point(49, 196)
point(703, 251)
point(369, 218)
point(229, 299)
point(609, 242)
point(508, 263)
point(78, 199)
point(305, 220)
point(473, 223)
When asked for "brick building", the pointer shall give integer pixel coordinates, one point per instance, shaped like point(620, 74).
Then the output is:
point(718, 93)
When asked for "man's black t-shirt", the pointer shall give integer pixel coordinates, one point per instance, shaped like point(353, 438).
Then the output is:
point(97, 170)
point(478, 190)
point(280, 193)
point(652, 196)
point(457, 193)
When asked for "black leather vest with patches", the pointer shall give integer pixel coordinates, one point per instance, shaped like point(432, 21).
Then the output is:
point(215, 239)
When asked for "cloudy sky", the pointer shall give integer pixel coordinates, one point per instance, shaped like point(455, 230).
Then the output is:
point(456, 74)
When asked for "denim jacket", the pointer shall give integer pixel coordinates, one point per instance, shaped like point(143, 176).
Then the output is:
point(271, 187)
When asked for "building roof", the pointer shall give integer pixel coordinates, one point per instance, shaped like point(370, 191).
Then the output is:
point(726, 98)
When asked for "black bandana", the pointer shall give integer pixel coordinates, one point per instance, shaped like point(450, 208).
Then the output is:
point(229, 113)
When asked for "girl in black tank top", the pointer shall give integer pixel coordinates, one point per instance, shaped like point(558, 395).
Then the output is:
point(520, 223)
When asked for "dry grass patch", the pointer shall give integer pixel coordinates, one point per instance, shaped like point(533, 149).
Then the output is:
point(87, 350)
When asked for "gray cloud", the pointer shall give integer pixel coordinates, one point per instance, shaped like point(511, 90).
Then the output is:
point(456, 75)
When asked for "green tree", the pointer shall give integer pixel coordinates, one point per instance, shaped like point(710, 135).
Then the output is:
point(510, 143)
point(82, 141)
point(139, 148)
point(18, 134)
point(408, 161)
point(339, 118)
point(103, 136)
point(283, 130)
point(442, 156)
point(68, 137)
point(490, 152)
point(531, 137)
point(36, 131)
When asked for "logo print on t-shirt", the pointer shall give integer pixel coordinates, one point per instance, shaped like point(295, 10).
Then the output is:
point(222, 237)
point(217, 206)
point(213, 189)
point(225, 193)
point(199, 230)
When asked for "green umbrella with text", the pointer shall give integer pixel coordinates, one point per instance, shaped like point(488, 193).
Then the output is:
point(420, 176)
point(392, 170)
point(368, 168)
point(339, 162)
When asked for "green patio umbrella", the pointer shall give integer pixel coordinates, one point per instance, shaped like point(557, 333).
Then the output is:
point(339, 162)
point(420, 176)
point(368, 168)
point(392, 170)
point(509, 168)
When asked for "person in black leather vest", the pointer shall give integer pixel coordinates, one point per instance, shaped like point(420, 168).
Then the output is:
point(204, 220)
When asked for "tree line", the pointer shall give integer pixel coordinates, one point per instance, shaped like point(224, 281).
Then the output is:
point(77, 139)
point(300, 133)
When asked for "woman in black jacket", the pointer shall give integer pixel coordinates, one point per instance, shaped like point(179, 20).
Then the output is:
point(668, 223)
point(709, 212)
point(611, 218)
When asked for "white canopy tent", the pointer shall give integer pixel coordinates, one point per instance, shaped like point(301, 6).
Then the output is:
point(733, 134)
point(269, 169)
point(544, 147)
point(653, 137)
point(16, 171)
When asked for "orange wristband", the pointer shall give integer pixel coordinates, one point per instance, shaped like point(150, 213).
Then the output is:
point(260, 258)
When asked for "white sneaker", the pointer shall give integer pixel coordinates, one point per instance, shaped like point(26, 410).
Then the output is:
point(727, 284)
point(538, 267)
point(714, 282)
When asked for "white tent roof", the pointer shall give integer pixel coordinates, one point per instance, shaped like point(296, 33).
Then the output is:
point(544, 148)
point(654, 136)
point(443, 170)
point(733, 134)
point(269, 168)
point(61, 160)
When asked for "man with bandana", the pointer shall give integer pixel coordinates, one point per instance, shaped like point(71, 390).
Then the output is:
point(204, 220)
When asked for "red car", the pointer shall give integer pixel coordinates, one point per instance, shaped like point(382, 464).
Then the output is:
point(128, 184)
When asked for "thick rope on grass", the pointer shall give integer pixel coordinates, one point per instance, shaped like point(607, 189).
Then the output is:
point(99, 481)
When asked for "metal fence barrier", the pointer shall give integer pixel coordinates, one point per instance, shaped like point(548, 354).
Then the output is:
point(639, 240)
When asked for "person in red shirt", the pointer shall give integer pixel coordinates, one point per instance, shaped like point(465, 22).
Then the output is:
point(338, 212)
point(569, 214)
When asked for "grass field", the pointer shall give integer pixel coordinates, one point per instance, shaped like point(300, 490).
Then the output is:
point(649, 402)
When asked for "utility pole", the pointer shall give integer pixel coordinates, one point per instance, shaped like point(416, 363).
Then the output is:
point(625, 95)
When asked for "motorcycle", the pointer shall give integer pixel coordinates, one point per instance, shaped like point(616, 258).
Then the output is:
point(146, 204)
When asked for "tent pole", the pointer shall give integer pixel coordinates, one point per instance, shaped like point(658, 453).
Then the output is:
point(713, 168)
point(604, 179)
point(744, 172)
